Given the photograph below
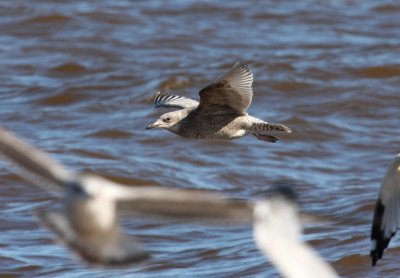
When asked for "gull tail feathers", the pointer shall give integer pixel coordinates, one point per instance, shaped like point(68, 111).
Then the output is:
point(265, 127)
point(260, 130)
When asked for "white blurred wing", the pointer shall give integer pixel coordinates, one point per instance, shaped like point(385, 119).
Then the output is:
point(386, 219)
point(33, 160)
point(166, 100)
point(277, 232)
point(177, 203)
point(112, 248)
point(180, 203)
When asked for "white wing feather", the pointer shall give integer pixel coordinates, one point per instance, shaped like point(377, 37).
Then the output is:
point(277, 232)
point(33, 160)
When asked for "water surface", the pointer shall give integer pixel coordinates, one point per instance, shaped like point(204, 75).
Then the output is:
point(77, 80)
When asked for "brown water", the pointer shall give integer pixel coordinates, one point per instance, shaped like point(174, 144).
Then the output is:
point(77, 79)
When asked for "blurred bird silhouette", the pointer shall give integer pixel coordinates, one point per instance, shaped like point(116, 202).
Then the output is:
point(386, 219)
point(87, 221)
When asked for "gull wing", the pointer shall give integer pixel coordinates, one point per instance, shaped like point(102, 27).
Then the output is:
point(277, 232)
point(112, 248)
point(386, 219)
point(33, 160)
point(180, 203)
point(167, 100)
point(232, 92)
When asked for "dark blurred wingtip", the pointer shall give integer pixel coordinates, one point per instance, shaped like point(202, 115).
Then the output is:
point(379, 240)
point(284, 191)
point(375, 255)
point(374, 260)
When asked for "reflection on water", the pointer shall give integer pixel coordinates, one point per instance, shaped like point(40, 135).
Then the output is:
point(77, 79)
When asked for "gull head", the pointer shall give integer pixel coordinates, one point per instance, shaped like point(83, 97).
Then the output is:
point(169, 121)
point(276, 217)
point(90, 204)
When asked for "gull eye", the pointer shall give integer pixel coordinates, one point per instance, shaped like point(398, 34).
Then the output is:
point(167, 119)
point(76, 188)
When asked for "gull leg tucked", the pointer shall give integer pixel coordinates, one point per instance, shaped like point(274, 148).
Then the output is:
point(266, 137)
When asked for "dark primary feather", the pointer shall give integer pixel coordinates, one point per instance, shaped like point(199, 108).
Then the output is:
point(386, 220)
point(378, 234)
point(233, 91)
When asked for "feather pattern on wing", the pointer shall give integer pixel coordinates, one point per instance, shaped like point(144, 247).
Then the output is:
point(233, 91)
point(166, 100)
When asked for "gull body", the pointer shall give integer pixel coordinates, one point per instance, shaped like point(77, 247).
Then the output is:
point(386, 220)
point(221, 112)
point(196, 125)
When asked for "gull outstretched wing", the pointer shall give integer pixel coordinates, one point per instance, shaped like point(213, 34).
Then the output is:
point(232, 92)
point(386, 219)
point(33, 160)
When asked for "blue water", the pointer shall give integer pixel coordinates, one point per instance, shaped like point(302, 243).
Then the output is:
point(77, 81)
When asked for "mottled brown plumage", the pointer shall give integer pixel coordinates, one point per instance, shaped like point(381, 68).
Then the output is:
point(221, 112)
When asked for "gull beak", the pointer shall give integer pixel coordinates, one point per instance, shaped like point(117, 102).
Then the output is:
point(153, 125)
point(150, 126)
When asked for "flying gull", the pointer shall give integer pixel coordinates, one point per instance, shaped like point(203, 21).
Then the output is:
point(88, 224)
point(386, 219)
point(277, 232)
point(87, 221)
point(221, 112)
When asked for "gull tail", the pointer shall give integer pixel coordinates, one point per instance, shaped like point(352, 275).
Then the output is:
point(32, 159)
point(111, 248)
point(260, 130)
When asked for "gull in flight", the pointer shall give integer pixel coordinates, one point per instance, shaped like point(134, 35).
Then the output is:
point(87, 221)
point(277, 233)
point(221, 112)
point(386, 219)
